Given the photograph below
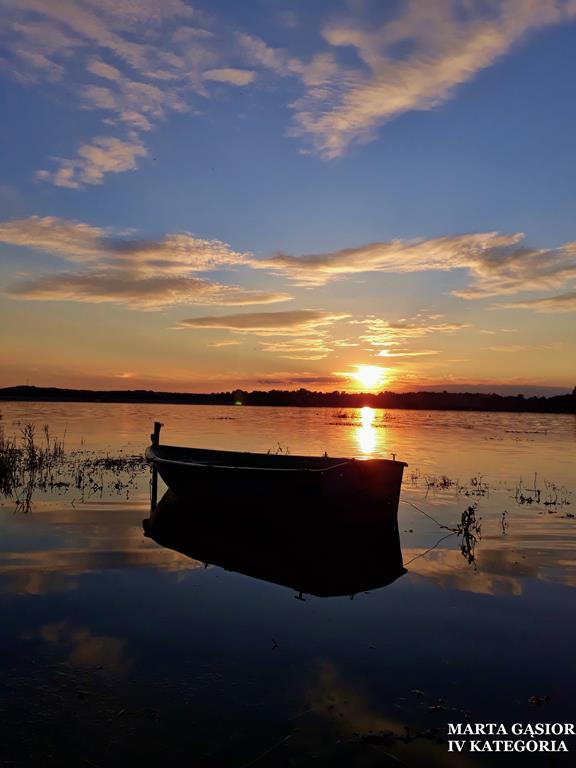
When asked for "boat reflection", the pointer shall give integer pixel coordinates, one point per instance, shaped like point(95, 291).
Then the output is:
point(321, 561)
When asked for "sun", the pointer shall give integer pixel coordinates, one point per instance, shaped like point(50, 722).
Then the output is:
point(369, 376)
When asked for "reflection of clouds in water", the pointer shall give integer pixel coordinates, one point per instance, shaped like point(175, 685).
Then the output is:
point(348, 705)
point(366, 433)
point(498, 571)
point(334, 697)
point(36, 573)
point(86, 649)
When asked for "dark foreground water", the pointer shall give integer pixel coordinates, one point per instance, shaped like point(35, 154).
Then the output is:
point(115, 649)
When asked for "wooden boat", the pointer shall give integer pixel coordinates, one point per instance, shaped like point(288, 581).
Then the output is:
point(350, 489)
point(328, 562)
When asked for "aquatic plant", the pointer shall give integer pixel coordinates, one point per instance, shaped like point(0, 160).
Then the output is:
point(441, 483)
point(28, 465)
point(9, 464)
point(470, 530)
point(477, 486)
point(279, 450)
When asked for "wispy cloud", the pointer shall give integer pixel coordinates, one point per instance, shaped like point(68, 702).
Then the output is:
point(136, 291)
point(224, 343)
point(508, 348)
point(260, 53)
point(80, 242)
point(407, 353)
point(290, 323)
point(294, 335)
point(393, 338)
point(303, 348)
point(105, 154)
point(414, 61)
point(564, 302)
point(497, 264)
point(287, 379)
point(133, 63)
point(230, 75)
point(139, 273)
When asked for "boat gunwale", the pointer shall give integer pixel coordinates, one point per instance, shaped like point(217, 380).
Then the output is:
point(153, 451)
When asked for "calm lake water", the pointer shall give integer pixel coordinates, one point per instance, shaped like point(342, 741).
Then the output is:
point(114, 648)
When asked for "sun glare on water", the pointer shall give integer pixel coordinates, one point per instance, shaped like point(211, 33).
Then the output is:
point(366, 433)
point(370, 376)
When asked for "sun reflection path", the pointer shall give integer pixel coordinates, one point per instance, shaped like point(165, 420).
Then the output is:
point(366, 433)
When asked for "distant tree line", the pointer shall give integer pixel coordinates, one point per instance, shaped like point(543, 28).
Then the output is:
point(430, 401)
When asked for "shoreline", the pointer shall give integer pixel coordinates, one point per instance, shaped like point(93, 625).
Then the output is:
point(423, 401)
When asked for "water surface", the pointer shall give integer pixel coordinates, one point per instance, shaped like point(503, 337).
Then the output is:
point(116, 648)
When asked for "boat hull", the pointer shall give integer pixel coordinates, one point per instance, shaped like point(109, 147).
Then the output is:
point(317, 489)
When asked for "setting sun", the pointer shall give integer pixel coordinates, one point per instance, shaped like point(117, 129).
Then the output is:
point(370, 376)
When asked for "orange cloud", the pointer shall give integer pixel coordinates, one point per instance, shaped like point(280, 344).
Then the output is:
point(565, 302)
point(295, 322)
point(144, 274)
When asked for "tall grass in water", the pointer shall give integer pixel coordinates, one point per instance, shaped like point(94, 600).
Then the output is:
point(27, 464)
point(32, 461)
point(9, 464)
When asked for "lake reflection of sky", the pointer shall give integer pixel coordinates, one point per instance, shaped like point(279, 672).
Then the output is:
point(143, 651)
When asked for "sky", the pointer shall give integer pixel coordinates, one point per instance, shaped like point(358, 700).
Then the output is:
point(350, 194)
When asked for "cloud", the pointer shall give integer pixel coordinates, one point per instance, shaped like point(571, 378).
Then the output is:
point(153, 58)
point(443, 253)
point(497, 264)
point(414, 61)
point(370, 73)
point(31, 67)
point(132, 62)
point(134, 102)
point(508, 348)
point(144, 274)
point(102, 23)
point(81, 243)
point(393, 339)
point(230, 75)
point(258, 52)
point(288, 379)
point(565, 302)
point(225, 343)
point(71, 240)
point(295, 322)
point(106, 71)
point(105, 154)
point(306, 348)
point(135, 291)
point(407, 353)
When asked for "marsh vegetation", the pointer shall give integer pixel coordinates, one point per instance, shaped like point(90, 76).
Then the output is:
point(35, 460)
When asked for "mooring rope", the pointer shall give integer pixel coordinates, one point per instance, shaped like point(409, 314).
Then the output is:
point(438, 523)
point(430, 549)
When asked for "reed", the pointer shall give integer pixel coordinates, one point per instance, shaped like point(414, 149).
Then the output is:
point(30, 463)
point(9, 463)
